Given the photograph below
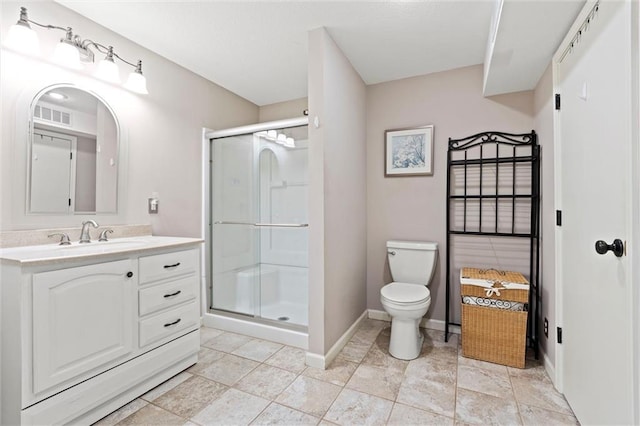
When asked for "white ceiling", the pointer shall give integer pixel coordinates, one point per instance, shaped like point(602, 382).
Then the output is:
point(258, 49)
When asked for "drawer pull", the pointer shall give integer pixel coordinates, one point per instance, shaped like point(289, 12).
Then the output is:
point(172, 266)
point(172, 323)
point(173, 294)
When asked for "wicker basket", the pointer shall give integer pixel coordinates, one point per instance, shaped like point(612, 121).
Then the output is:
point(492, 334)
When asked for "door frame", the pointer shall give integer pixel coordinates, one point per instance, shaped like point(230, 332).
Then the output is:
point(72, 165)
point(634, 228)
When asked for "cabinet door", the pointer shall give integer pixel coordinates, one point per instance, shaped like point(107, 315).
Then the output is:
point(83, 318)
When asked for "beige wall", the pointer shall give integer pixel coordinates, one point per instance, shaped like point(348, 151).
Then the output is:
point(543, 123)
point(413, 208)
point(337, 215)
point(282, 110)
point(162, 131)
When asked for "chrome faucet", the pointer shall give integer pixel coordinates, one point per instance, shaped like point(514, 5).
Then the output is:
point(85, 237)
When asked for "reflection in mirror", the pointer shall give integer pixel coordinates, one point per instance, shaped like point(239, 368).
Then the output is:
point(74, 153)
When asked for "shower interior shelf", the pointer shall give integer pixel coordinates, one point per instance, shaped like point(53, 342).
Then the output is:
point(497, 174)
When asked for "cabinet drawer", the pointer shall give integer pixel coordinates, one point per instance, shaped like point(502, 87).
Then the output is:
point(169, 323)
point(163, 296)
point(167, 265)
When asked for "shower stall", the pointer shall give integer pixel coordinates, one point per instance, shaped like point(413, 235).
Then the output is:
point(258, 242)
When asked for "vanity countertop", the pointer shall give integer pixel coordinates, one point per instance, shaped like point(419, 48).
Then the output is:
point(55, 253)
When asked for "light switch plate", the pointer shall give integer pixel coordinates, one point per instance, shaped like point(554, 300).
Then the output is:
point(153, 205)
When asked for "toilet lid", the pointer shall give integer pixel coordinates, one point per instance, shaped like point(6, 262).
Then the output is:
point(405, 293)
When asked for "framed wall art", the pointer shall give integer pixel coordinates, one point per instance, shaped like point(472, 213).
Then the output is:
point(409, 152)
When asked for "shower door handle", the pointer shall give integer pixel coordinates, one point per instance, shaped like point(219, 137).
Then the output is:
point(264, 225)
point(282, 225)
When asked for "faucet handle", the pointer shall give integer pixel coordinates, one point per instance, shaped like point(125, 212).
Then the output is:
point(103, 234)
point(64, 238)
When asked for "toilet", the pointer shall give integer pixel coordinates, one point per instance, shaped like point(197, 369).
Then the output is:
point(407, 298)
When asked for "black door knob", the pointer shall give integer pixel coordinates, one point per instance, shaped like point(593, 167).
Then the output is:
point(129, 274)
point(617, 247)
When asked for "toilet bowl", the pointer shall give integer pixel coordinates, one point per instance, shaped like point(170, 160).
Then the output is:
point(408, 299)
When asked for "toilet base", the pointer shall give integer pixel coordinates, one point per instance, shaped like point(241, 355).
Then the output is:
point(406, 338)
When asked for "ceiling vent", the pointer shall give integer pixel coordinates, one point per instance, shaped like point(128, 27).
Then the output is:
point(52, 115)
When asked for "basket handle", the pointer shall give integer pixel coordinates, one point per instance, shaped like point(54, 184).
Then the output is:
point(484, 271)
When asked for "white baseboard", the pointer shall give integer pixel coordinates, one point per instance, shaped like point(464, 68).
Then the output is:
point(314, 360)
point(550, 369)
point(425, 323)
point(379, 315)
point(320, 361)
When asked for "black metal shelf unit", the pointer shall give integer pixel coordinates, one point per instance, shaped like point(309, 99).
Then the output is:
point(482, 171)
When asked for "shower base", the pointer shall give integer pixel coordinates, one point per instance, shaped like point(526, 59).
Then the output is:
point(293, 312)
point(249, 326)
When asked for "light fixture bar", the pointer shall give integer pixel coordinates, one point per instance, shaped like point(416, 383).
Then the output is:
point(73, 49)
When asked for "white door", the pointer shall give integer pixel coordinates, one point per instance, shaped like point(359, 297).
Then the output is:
point(51, 172)
point(595, 197)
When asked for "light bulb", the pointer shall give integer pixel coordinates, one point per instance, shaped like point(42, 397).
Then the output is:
point(67, 55)
point(107, 69)
point(136, 82)
point(290, 143)
point(21, 37)
point(282, 138)
point(272, 135)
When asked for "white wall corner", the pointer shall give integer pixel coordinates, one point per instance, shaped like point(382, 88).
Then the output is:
point(323, 361)
point(491, 41)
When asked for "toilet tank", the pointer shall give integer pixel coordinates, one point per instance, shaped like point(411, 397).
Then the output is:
point(412, 262)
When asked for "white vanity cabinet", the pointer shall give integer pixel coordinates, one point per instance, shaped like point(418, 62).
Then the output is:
point(84, 335)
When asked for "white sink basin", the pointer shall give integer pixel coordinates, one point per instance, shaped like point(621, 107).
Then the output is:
point(103, 245)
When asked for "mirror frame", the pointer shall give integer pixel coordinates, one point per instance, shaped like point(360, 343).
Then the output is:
point(31, 129)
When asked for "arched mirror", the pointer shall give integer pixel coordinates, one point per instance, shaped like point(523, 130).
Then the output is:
point(73, 166)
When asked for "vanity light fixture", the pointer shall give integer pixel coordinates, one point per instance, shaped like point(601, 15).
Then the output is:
point(272, 135)
point(279, 138)
point(72, 49)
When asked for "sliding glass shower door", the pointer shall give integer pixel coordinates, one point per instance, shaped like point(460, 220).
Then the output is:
point(259, 225)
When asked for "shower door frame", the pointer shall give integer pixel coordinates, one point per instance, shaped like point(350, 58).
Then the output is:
point(207, 212)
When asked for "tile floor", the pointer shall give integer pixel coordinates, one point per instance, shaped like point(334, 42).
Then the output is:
point(240, 380)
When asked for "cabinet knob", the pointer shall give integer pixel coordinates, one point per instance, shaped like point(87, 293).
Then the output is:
point(129, 274)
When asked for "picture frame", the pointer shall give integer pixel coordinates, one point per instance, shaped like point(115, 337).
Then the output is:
point(408, 152)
